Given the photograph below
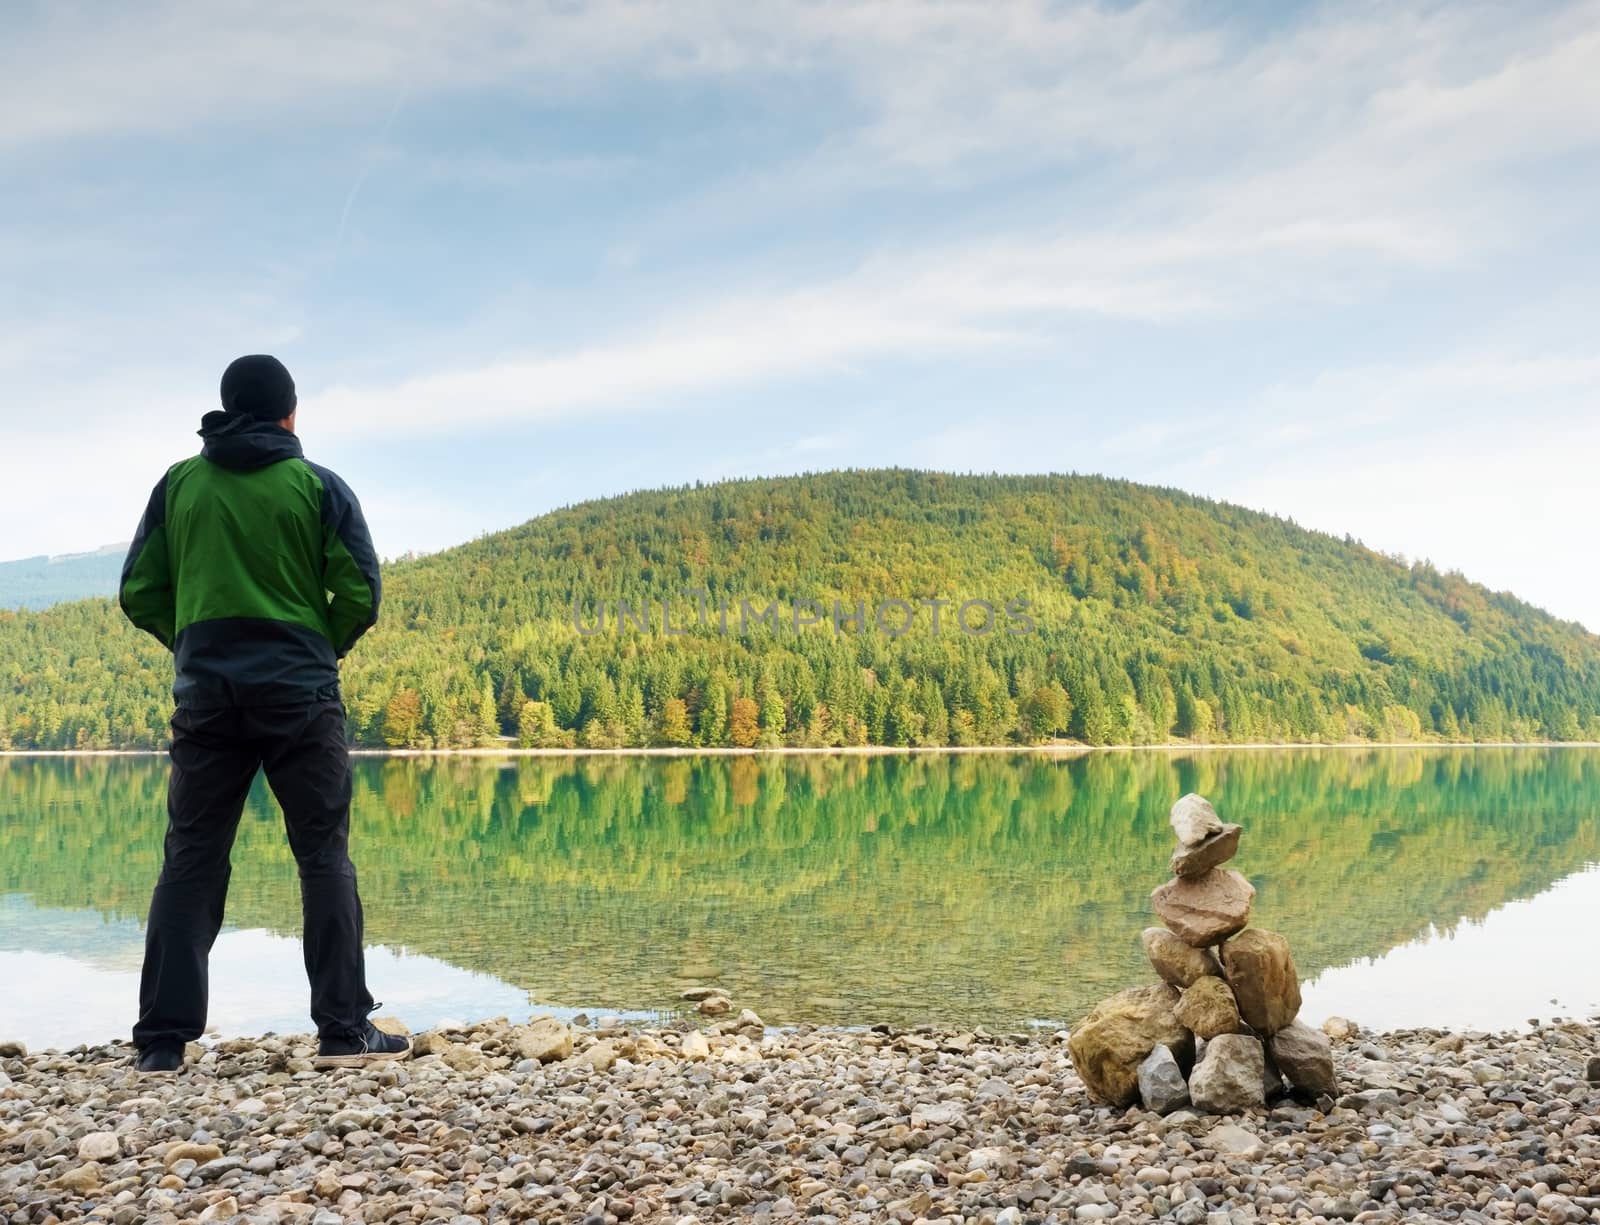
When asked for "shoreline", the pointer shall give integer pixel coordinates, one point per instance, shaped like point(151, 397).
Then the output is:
point(595, 1024)
point(733, 1121)
point(1057, 749)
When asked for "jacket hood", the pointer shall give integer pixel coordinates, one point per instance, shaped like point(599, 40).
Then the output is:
point(239, 442)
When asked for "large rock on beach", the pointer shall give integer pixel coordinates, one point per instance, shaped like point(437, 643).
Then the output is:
point(544, 1039)
point(1109, 1044)
point(1211, 852)
point(1305, 1057)
point(1207, 909)
point(1175, 962)
point(1194, 820)
point(1261, 972)
point(1207, 1009)
point(1231, 1076)
point(1161, 1084)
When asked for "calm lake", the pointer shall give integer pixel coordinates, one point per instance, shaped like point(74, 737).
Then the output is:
point(1450, 887)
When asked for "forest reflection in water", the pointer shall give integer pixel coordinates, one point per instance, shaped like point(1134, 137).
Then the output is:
point(995, 889)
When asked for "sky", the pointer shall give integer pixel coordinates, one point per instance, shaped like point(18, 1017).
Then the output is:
point(1336, 261)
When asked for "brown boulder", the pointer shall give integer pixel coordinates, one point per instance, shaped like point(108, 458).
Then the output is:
point(1261, 972)
point(1176, 962)
point(1109, 1044)
point(1207, 1008)
point(1305, 1057)
point(1207, 909)
point(1197, 860)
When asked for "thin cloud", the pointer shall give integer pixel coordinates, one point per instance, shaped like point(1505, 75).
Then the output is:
point(369, 161)
point(984, 296)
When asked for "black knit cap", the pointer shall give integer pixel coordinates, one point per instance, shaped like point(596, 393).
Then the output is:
point(258, 386)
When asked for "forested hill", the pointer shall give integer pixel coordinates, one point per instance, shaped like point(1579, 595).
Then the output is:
point(1121, 614)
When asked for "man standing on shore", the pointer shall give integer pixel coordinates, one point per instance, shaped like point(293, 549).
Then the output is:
point(255, 568)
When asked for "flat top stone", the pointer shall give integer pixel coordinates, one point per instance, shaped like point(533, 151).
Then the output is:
point(1205, 909)
point(1206, 854)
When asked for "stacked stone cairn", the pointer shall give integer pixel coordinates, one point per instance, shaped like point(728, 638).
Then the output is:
point(1218, 1033)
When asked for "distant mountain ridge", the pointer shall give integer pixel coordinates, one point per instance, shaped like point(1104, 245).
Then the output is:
point(38, 582)
point(1125, 614)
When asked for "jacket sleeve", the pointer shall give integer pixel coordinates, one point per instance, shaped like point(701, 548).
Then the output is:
point(146, 592)
point(349, 565)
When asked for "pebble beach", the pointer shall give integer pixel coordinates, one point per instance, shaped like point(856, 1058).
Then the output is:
point(732, 1120)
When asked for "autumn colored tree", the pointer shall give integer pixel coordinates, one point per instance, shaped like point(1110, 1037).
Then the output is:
point(744, 726)
point(402, 719)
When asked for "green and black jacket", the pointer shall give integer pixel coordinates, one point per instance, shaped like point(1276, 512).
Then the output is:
point(254, 567)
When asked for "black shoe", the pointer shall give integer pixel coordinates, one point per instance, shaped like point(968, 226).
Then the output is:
point(161, 1058)
point(371, 1045)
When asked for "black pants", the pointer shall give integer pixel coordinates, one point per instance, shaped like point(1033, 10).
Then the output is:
point(215, 756)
